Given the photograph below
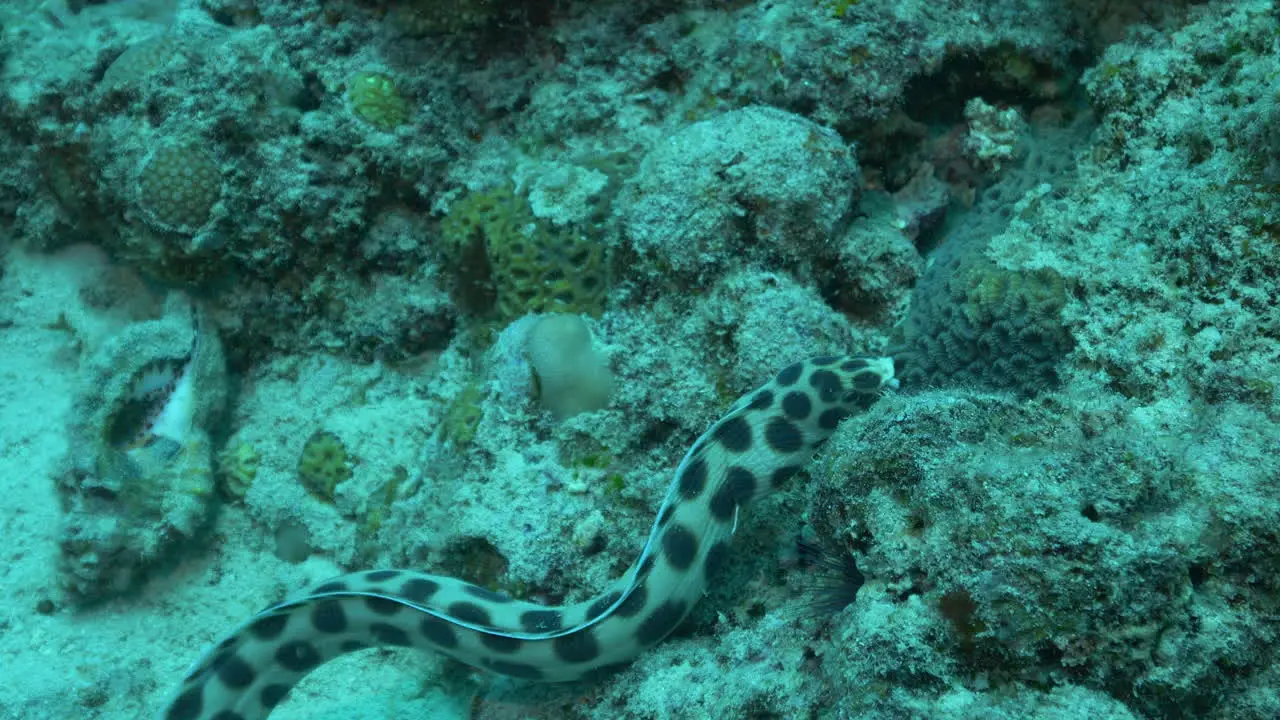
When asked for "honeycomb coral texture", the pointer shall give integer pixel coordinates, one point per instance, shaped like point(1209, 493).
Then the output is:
point(532, 267)
point(178, 186)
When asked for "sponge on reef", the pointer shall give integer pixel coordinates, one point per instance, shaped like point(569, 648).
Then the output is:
point(570, 376)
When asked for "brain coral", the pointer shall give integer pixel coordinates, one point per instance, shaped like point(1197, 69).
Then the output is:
point(974, 323)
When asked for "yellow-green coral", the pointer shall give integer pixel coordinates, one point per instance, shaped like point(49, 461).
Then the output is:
point(995, 292)
point(463, 415)
point(838, 8)
point(379, 504)
point(526, 266)
point(548, 271)
point(323, 465)
point(141, 59)
point(375, 99)
point(237, 468)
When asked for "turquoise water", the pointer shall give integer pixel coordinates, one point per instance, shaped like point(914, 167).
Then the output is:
point(509, 296)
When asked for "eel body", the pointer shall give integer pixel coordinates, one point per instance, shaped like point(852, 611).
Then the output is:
point(764, 439)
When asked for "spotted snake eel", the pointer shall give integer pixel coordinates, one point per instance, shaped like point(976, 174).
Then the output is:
point(764, 439)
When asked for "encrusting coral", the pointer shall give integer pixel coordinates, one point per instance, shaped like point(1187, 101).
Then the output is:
point(323, 464)
point(238, 467)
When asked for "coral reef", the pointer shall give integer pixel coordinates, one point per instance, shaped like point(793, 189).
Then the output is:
point(994, 134)
point(323, 464)
point(375, 98)
point(976, 324)
point(237, 467)
point(937, 489)
point(440, 17)
point(483, 271)
point(463, 416)
point(512, 264)
point(178, 185)
point(752, 185)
